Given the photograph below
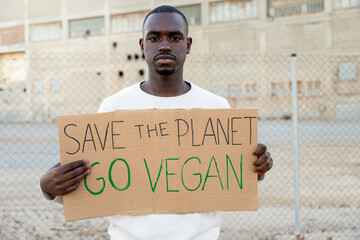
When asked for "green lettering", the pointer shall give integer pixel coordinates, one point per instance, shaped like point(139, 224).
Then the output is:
point(110, 177)
point(148, 172)
point(207, 174)
point(86, 186)
point(227, 171)
point(167, 174)
point(182, 171)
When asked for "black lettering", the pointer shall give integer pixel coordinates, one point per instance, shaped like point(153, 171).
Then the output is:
point(88, 127)
point(250, 127)
point(115, 134)
point(161, 129)
point(78, 143)
point(218, 123)
point(106, 132)
point(233, 131)
point(211, 134)
point(140, 125)
point(192, 135)
point(178, 129)
point(151, 130)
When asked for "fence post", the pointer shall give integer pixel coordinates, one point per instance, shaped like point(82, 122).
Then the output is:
point(295, 128)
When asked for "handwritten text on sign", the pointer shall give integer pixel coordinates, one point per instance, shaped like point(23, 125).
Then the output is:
point(161, 161)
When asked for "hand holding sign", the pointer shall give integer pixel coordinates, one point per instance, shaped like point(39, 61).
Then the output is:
point(61, 180)
point(264, 161)
point(158, 161)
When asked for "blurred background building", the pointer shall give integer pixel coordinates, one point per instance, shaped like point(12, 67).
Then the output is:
point(39, 40)
point(233, 26)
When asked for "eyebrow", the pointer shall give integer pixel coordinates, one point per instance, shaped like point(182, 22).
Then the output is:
point(176, 33)
point(153, 32)
point(170, 33)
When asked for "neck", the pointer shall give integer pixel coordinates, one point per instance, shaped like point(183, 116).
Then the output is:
point(165, 86)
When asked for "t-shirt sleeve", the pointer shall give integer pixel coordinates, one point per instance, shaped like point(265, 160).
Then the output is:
point(221, 102)
point(226, 104)
point(105, 106)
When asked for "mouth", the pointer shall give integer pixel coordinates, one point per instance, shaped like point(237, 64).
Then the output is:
point(165, 58)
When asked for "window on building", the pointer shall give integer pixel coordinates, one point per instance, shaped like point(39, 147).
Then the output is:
point(250, 90)
point(299, 87)
point(234, 91)
point(192, 14)
point(219, 90)
point(12, 35)
point(347, 70)
point(234, 10)
point(87, 27)
point(314, 88)
point(279, 8)
point(346, 3)
point(127, 22)
point(277, 89)
point(46, 31)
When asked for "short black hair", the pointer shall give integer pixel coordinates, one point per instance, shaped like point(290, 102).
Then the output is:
point(167, 9)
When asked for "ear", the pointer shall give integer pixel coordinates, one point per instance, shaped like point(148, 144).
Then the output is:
point(189, 42)
point(141, 43)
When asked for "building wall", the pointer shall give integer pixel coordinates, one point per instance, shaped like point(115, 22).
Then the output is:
point(14, 10)
point(243, 41)
point(13, 87)
point(220, 30)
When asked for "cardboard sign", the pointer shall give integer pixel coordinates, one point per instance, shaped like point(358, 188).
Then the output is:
point(161, 161)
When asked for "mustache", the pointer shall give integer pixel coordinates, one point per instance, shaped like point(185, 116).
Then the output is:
point(164, 54)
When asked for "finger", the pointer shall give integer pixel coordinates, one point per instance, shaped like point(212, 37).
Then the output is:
point(261, 176)
point(265, 167)
point(70, 166)
point(76, 180)
point(70, 188)
point(262, 169)
point(75, 173)
point(262, 159)
point(260, 149)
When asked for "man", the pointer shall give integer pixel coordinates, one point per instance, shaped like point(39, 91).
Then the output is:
point(165, 44)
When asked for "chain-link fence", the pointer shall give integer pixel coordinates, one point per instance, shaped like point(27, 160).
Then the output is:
point(37, 87)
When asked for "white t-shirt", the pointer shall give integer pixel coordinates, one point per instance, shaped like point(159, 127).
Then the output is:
point(196, 226)
point(199, 226)
point(134, 98)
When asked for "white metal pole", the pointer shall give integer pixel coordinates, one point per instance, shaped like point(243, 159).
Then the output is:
point(295, 128)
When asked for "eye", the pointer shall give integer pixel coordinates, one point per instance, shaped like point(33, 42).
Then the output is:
point(153, 39)
point(175, 39)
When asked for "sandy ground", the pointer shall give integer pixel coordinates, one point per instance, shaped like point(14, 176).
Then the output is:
point(329, 171)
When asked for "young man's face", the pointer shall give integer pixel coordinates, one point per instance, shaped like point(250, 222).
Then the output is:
point(165, 43)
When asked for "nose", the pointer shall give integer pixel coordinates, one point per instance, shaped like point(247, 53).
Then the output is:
point(164, 46)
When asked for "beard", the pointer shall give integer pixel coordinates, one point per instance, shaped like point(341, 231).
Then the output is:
point(165, 72)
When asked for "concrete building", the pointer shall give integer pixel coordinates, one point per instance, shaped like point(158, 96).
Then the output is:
point(50, 47)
